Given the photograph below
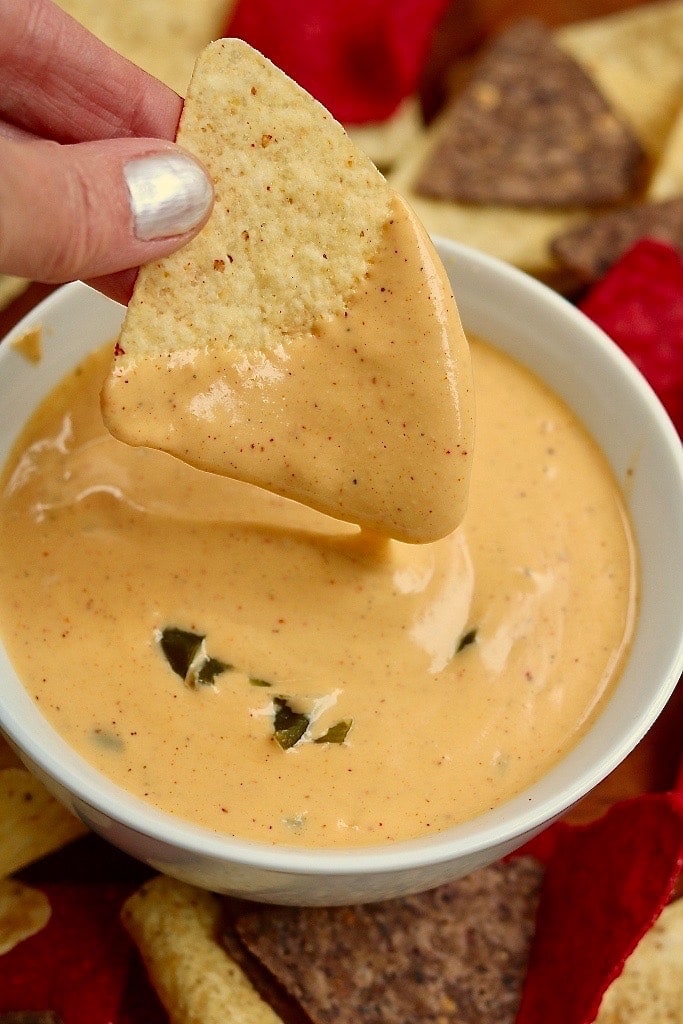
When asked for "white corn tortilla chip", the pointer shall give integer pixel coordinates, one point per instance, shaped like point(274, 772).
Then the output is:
point(650, 988)
point(176, 928)
point(23, 912)
point(11, 288)
point(32, 822)
point(161, 36)
point(636, 57)
point(667, 180)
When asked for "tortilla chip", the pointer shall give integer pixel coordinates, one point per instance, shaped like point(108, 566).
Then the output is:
point(667, 180)
point(636, 58)
point(650, 988)
point(32, 822)
point(591, 248)
point(283, 170)
point(605, 885)
point(176, 928)
point(531, 129)
point(301, 215)
point(161, 36)
point(360, 60)
point(384, 142)
point(23, 912)
point(639, 304)
point(516, 235)
point(11, 288)
point(78, 964)
point(458, 952)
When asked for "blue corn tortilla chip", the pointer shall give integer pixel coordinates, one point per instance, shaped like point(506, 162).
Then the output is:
point(532, 129)
point(591, 248)
point(458, 952)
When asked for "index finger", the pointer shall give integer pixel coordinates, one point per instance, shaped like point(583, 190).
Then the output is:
point(59, 81)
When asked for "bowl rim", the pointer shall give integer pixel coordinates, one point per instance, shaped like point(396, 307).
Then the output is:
point(469, 838)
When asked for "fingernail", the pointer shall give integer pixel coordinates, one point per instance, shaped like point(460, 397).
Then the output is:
point(169, 194)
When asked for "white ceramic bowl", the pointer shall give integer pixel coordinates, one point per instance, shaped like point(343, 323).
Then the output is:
point(541, 330)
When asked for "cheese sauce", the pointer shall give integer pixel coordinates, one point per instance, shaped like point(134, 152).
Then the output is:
point(459, 670)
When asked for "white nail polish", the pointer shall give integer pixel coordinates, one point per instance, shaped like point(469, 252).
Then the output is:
point(169, 194)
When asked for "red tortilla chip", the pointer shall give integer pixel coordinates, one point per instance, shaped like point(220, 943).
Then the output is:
point(359, 58)
point(639, 303)
point(605, 885)
point(78, 964)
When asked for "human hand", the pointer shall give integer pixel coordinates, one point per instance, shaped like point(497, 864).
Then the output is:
point(90, 184)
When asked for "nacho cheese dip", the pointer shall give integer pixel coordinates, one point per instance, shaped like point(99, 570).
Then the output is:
point(440, 679)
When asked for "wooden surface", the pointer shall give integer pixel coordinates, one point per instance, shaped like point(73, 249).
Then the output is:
point(653, 765)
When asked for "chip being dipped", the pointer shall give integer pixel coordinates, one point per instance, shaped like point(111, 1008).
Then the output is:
point(307, 340)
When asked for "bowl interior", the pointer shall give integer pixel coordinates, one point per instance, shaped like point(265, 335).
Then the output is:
point(541, 330)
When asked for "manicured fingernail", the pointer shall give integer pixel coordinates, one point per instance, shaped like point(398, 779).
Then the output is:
point(169, 194)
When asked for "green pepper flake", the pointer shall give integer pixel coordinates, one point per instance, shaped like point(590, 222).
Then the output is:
point(186, 654)
point(180, 648)
point(337, 733)
point(209, 669)
point(259, 682)
point(466, 639)
point(288, 725)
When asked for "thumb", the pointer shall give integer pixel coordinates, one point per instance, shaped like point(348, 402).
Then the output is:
point(96, 208)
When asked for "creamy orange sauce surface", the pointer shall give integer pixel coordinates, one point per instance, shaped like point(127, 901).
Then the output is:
point(462, 668)
point(369, 417)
